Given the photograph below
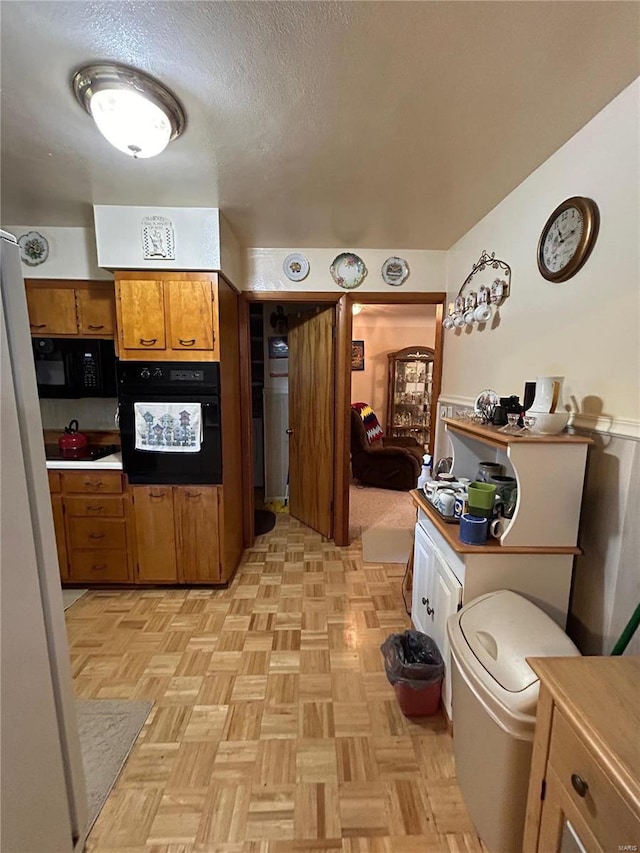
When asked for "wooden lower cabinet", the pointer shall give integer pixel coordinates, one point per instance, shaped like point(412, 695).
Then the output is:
point(110, 532)
point(177, 534)
point(155, 534)
point(197, 534)
point(61, 539)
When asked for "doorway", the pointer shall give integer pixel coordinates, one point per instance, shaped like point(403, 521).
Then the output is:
point(342, 336)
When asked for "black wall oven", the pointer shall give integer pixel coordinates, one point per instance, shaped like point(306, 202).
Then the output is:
point(169, 415)
point(75, 367)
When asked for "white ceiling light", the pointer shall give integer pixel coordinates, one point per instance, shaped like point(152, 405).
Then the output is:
point(135, 113)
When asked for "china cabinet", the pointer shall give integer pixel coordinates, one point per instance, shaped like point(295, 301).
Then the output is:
point(535, 553)
point(409, 393)
point(584, 792)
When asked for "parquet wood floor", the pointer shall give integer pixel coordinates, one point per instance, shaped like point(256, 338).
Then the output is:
point(274, 728)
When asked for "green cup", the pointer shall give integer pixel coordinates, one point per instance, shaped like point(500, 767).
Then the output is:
point(482, 498)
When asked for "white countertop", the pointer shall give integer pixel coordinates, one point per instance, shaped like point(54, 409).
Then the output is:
point(107, 463)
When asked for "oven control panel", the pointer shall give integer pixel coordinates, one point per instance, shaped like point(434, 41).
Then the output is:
point(186, 375)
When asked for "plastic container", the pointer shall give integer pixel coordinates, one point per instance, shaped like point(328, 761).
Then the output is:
point(415, 668)
point(495, 695)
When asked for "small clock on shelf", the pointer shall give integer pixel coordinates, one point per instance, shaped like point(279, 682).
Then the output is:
point(567, 238)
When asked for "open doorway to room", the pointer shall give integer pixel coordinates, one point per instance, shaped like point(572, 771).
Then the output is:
point(393, 389)
point(291, 346)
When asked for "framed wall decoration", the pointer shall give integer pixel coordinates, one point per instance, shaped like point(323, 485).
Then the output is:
point(357, 355)
point(278, 346)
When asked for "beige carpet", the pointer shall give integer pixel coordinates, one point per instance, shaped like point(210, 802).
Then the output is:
point(370, 507)
point(108, 729)
point(70, 596)
point(386, 545)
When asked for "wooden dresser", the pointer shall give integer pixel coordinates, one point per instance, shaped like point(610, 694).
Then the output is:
point(584, 788)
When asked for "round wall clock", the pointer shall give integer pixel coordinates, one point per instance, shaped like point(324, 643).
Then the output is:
point(567, 238)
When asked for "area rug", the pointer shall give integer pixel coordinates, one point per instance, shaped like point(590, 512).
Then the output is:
point(70, 596)
point(108, 729)
point(386, 545)
point(369, 507)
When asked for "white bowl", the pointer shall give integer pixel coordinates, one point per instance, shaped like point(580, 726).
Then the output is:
point(547, 424)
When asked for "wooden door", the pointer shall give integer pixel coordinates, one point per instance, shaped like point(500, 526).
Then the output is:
point(197, 533)
point(140, 314)
point(52, 311)
point(61, 538)
point(311, 417)
point(155, 534)
point(190, 314)
point(96, 312)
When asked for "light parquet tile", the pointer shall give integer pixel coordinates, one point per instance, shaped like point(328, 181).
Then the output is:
point(274, 728)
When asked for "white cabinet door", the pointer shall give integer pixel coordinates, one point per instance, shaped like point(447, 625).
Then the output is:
point(444, 601)
point(422, 579)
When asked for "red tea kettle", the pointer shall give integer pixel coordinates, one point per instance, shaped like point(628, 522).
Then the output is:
point(72, 441)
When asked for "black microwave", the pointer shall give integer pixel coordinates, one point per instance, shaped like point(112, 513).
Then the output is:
point(71, 368)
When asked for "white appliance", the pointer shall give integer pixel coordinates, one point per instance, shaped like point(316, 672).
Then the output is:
point(43, 797)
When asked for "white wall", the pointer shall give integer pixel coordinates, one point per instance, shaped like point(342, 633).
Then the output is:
point(587, 328)
point(72, 253)
point(263, 270)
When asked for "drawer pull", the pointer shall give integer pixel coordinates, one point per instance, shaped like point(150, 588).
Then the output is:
point(579, 785)
point(148, 342)
point(95, 508)
point(99, 568)
point(188, 343)
point(96, 536)
point(38, 325)
point(157, 497)
point(93, 484)
point(96, 328)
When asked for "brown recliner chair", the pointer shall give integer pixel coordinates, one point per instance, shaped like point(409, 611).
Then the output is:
point(390, 463)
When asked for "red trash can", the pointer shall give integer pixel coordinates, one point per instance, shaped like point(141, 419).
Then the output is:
point(418, 703)
point(415, 668)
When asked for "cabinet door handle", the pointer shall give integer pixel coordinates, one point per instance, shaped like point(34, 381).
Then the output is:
point(96, 536)
point(95, 328)
point(188, 343)
point(579, 785)
point(430, 610)
point(38, 325)
point(159, 497)
point(95, 508)
point(148, 342)
point(193, 494)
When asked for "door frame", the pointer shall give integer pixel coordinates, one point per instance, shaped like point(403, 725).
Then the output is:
point(343, 303)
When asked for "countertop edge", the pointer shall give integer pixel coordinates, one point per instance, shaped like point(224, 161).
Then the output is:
point(107, 463)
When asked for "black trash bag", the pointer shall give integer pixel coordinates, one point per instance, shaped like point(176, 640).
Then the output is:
point(412, 658)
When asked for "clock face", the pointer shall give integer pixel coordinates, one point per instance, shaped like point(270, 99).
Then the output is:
point(562, 239)
point(567, 238)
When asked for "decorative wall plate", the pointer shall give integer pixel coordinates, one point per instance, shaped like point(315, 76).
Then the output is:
point(395, 271)
point(348, 270)
point(296, 267)
point(34, 248)
point(484, 399)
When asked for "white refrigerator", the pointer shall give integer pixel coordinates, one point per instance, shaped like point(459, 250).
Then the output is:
point(42, 793)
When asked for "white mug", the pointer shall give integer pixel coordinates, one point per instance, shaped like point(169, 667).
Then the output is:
point(446, 502)
point(496, 527)
point(459, 321)
point(482, 313)
point(469, 317)
point(448, 322)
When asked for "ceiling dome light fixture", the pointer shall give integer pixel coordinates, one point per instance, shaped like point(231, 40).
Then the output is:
point(133, 112)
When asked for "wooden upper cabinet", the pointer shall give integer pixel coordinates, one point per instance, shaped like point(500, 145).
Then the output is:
point(140, 312)
point(167, 316)
point(52, 311)
point(197, 533)
point(60, 308)
point(190, 314)
point(96, 312)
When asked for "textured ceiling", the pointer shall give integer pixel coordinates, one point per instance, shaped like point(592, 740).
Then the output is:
point(311, 123)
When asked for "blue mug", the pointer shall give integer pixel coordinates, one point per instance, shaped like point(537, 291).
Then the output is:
point(473, 530)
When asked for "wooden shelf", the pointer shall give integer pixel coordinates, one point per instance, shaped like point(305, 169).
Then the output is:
point(492, 435)
point(450, 534)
